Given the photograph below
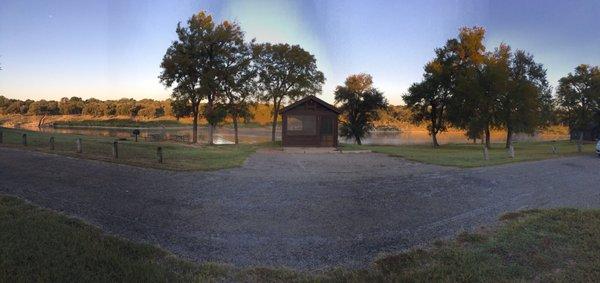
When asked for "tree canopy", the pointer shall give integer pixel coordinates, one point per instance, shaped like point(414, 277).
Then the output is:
point(579, 97)
point(286, 72)
point(359, 102)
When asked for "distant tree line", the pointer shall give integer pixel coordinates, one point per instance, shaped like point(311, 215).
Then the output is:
point(467, 87)
point(146, 108)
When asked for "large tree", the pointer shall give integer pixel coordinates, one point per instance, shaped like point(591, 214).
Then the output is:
point(579, 97)
point(237, 76)
point(474, 97)
point(186, 63)
point(527, 99)
point(286, 72)
point(360, 103)
point(428, 99)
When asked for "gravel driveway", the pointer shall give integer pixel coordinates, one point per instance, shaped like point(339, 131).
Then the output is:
point(295, 210)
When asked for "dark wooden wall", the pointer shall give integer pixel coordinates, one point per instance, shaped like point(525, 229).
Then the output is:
point(311, 108)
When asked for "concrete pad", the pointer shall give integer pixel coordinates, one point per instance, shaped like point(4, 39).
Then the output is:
point(311, 150)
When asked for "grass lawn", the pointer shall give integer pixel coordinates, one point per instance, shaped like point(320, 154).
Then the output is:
point(471, 155)
point(175, 156)
point(38, 245)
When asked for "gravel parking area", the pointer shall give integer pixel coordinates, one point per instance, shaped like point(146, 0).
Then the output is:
point(304, 211)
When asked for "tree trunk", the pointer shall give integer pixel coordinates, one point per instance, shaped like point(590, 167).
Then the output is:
point(275, 115)
point(211, 134)
point(358, 141)
point(195, 128)
point(487, 137)
point(509, 135)
point(434, 138)
point(211, 128)
point(235, 128)
point(41, 122)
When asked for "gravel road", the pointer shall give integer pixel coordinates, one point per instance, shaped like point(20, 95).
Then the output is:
point(304, 211)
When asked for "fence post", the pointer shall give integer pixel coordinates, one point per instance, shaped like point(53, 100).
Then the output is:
point(159, 155)
point(51, 143)
point(1, 136)
point(24, 139)
point(486, 155)
point(115, 149)
point(78, 143)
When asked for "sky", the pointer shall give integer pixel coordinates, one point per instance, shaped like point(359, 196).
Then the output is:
point(110, 49)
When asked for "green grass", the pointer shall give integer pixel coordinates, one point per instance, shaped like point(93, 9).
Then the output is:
point(175, 156)
point(558, 245)
point(471, 155)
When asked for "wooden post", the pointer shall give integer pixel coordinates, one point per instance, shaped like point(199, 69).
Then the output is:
point(51, 143)
point(1, 136)
point(78, 144)
point(24, 139)
point(486, 155)
point(159, 155)
point(115, 149)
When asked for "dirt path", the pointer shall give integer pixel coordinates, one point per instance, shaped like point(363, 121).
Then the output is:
point(295, 210)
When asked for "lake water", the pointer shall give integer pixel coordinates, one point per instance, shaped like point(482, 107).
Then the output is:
point(224, 135)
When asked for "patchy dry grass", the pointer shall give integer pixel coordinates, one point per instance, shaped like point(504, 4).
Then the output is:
point(538, 245)
point(471, 155)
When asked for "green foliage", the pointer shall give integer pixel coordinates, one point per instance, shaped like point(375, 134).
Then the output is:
point(286, 72)
point(180, 108)
point(360, 104)
point(71, 106)
point(429, 99)
point(43, 107)
point(95, 107)
point(579, 97)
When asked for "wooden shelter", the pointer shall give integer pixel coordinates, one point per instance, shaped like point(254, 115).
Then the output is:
point(310, 122)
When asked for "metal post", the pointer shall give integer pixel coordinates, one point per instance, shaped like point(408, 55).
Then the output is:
point(24, 139)
point(78, 143)
point(51, 143)
point(115, 149)
point(159, 155)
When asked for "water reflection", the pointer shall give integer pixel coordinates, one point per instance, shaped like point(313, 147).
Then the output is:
point(225, 135)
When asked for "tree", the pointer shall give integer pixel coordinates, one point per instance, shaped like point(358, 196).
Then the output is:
point(360, 103)
point(238, 78)
point(71, 106)
point(526, 103)
point(428, 100)
point(475, 87)
point(227, 79)
point(579, 97)
point(286, 72)
point(180, 108)
point(185, 63)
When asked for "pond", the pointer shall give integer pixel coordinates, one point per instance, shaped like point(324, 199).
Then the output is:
point(225, 135)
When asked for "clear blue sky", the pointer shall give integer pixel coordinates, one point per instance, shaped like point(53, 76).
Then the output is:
point(110, 49)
